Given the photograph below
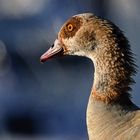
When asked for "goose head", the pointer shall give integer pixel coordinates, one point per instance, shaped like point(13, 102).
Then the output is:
point(76, 37)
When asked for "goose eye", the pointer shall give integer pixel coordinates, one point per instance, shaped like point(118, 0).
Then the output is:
point(70, 27)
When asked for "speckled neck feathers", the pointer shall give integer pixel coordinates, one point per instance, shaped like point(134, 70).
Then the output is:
point(114, 64)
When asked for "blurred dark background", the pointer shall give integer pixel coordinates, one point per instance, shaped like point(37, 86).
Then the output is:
point(48, 101)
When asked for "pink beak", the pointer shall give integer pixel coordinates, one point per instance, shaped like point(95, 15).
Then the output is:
point(55, 50)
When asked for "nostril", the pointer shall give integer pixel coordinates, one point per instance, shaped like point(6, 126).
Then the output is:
point(52, 46)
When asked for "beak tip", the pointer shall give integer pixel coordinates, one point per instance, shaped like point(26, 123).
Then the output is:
point(42, 60)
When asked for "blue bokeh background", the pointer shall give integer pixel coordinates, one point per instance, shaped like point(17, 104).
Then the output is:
point(49, 101)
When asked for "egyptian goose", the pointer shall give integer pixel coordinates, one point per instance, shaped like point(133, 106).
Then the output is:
point(111, 115)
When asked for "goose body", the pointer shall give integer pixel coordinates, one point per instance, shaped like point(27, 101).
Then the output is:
point(111, 114)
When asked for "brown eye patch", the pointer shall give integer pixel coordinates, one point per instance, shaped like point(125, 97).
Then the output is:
point(71, 27)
